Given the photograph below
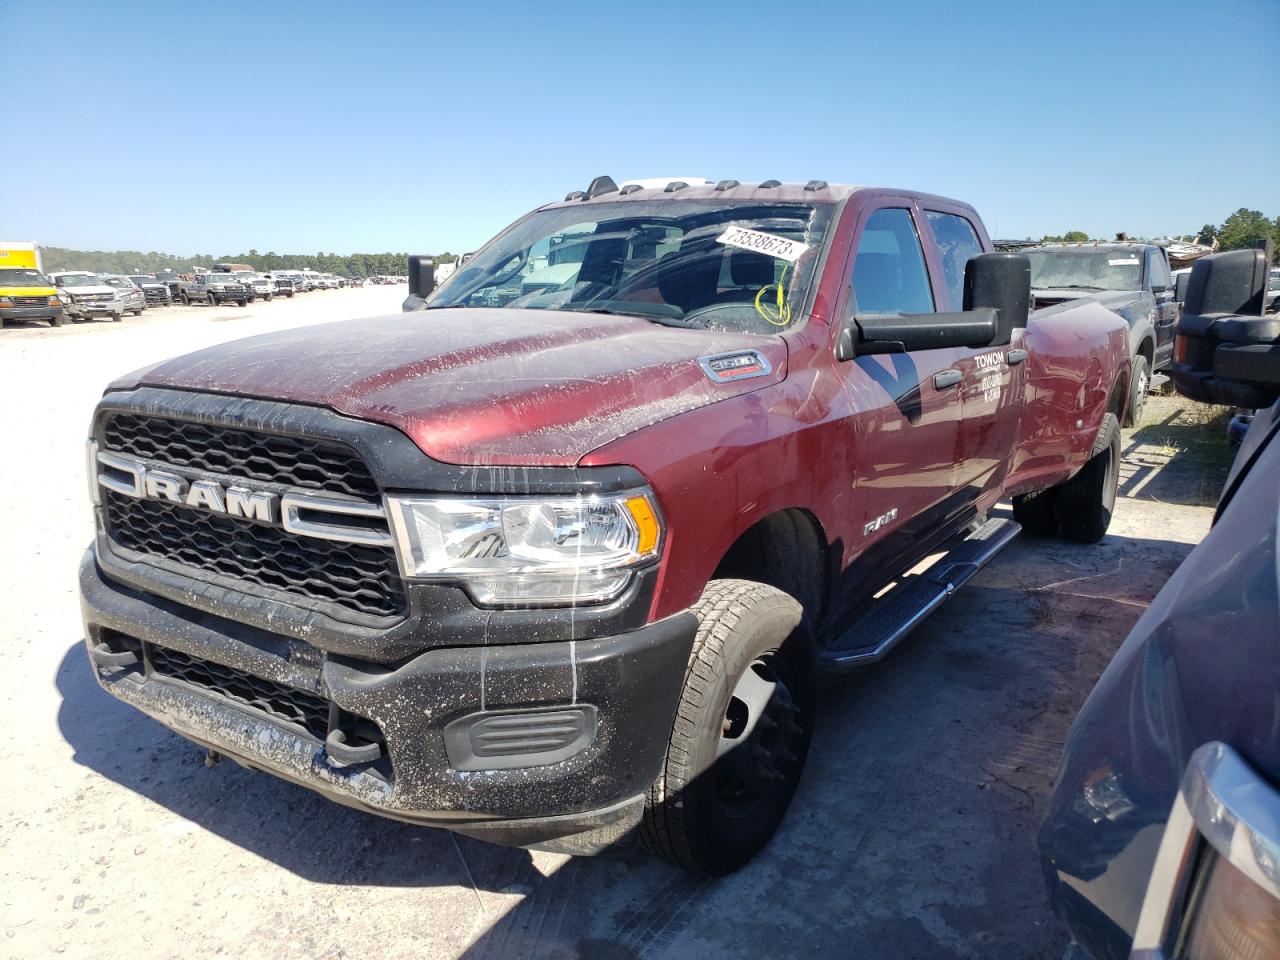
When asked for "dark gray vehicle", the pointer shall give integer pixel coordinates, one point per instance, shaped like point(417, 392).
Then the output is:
point(1228, 347)
point(216, 288)
point(1131, 279)
point(155, 291)
point(1163, 831)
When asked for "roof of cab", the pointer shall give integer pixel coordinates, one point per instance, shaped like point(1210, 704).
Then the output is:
point(814, 191)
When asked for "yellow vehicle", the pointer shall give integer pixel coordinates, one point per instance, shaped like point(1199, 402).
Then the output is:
point(25, 292)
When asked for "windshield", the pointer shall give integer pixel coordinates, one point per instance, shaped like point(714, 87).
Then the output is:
point(1094, 269)
point(120, 283)
point(712, 264)
point(11, 277)
point(141, 280)
point(79, 280)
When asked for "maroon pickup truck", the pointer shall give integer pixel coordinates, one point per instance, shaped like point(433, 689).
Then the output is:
point(566, 552)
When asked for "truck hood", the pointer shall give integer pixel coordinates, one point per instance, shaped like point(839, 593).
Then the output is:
point(481, 386)
point(1111, 299)
point(92, 288)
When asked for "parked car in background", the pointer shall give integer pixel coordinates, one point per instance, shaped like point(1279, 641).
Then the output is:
point(27, 294)
point(85, 295)
point(155, 291)
point(1131, 279)
point(356, 282)
point(262, 287)
point(214, 289)
point(1162, 838)
point(285, 283)
point(129, 293)
point(1228, 347)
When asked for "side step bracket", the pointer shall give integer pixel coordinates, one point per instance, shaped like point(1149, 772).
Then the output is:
point(894, 615)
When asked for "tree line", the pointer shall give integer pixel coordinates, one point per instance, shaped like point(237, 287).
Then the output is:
point(135, 261)
point(1243, 230)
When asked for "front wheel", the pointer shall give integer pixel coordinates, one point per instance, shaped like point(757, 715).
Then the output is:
point(186, 299)
point(117, 317)
point(243, 303)
point(1139, 384)
point(213, 301)
point(741, 731)
point(267, 298)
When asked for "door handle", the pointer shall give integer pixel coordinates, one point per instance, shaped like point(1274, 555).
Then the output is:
point(947, 378)
point(1015, 356)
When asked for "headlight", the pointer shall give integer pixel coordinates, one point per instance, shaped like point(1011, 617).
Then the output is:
point(55, 302)
point(543, 551)
point(5, 302)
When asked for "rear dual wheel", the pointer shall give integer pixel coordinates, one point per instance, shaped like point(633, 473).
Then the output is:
point(741, 732)
point(1081, 507)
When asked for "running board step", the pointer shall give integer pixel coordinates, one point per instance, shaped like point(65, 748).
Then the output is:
point(901, 610)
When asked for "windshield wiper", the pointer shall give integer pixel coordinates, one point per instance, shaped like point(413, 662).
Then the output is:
point(1069, 286)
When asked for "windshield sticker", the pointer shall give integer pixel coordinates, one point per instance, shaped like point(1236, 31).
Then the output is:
point(778, 247)
point(1126, 262)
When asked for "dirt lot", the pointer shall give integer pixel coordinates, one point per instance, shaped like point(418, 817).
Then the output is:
point(912, 835)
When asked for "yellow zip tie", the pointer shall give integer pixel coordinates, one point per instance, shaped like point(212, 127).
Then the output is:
point(784, 309)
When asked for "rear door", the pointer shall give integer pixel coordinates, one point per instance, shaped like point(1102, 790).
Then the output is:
point(992, 379)
point(908, 423)
point(1160, 283)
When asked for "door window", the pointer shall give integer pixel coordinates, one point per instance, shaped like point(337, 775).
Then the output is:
point(1157, 270)
point(958, 244)
point(889, 274)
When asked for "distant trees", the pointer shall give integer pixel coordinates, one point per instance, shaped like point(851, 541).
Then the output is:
point(1071, 236)
point(135, 261)
point(1247, 228)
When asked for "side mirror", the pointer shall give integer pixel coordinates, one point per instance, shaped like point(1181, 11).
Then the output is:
point(1180, 287)
point(422, 275)
point(1234, 282)
point(1002, 282)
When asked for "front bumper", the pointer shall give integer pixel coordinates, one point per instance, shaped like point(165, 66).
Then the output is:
point(30, 313)
point(101, 308)
point(629, 683)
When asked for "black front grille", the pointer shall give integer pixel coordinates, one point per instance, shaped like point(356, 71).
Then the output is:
point(359, 578)
point(287, 704)
point(273, 458)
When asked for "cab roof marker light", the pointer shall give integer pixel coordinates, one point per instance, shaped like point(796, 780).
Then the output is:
point(727, 185)
point(575, 195)
point(600, 186)
point(674, 185)
point(770, 184)
point(630, 188)
point(814, 185)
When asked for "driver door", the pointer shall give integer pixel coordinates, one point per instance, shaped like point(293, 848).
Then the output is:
point(910, 403)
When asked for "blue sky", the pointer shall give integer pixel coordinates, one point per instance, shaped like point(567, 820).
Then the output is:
point(306, 127)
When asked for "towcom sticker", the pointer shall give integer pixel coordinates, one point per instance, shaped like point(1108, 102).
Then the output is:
point(766, 243)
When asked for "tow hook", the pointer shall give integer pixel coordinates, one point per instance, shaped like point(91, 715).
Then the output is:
point(212, 758)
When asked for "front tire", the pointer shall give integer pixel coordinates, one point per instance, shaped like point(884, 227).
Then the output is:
point(1087, 500)
point(212, 300)
point(741, 732)
point(1139, 384)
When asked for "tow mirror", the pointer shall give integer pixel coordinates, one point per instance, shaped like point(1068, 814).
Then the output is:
point(422, 275)
point(862, 334)
point(1233, 283)
point(1000, 282)
point(1180, 287)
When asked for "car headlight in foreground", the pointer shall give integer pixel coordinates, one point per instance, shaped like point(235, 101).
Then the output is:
point(1214, 892)
point(547, 551)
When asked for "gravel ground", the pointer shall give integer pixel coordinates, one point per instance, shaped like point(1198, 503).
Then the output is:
point(912, 835)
